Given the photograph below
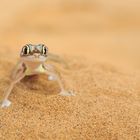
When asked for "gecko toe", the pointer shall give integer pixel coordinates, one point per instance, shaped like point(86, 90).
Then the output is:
point(5, 103)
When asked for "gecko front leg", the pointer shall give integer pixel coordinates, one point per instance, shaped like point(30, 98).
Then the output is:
point(51, 72)
point(18, 75)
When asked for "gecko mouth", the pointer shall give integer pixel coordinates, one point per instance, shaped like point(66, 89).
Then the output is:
point(38, 58)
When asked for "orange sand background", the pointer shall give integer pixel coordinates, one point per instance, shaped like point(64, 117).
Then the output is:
point(100, 42)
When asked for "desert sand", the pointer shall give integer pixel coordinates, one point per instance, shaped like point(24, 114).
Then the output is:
point(100, 42)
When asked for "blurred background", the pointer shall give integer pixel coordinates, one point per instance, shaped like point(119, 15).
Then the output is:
point(99, 30)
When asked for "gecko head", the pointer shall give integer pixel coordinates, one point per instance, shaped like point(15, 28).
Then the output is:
point(34, 53)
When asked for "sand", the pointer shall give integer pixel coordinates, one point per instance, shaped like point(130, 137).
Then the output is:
point(102, 51)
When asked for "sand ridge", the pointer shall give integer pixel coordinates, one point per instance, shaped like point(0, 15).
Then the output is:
point(106, 106)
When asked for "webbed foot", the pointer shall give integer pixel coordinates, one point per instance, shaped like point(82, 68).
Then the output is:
point(51, 78)
point(5, 103)
point(67, 93)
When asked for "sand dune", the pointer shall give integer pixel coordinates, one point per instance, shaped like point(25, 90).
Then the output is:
point(106, 105)
point(100, 42)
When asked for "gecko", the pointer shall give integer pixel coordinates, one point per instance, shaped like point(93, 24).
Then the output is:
point(33, 61)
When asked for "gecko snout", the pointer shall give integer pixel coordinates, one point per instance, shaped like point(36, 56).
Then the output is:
point(36, 55)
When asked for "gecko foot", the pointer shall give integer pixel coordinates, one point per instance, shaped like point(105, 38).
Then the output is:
point(67, 93)
point(5, 103)
point(51, 78)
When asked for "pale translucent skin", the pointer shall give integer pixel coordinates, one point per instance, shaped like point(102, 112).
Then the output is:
point(33, 63)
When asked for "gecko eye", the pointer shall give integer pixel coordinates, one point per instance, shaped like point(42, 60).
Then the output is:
point(44, 50)
point(26, 50)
